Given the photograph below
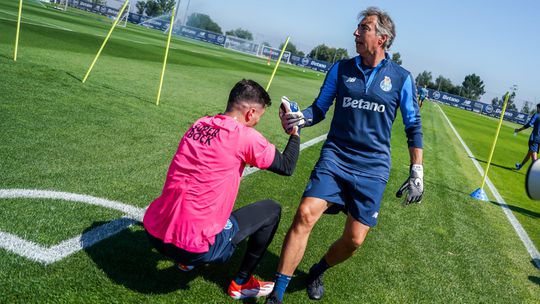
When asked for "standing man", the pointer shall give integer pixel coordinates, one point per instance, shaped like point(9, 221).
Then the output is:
point(354, 164)
point(534, 140)
point(422, 96)
point(191, 222)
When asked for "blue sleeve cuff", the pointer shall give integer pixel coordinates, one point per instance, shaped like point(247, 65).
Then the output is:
point(313, 115)
point(415, 137)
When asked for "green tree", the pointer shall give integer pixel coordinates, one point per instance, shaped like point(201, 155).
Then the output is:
point(153, 9)
point(321, 52)
point(265, 43)
point(141, 5)
point(292, 48)
point(325, 53)
point(204, 22)
point(396, 57)
point(425, 79)
point(526, 107)
point(240, 33)
point(444, 84)
point(472, 87)
point(166, 5)
point(340, 53)
point(499, 102)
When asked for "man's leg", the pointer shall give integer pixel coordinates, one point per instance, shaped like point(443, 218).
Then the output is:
point(258, 221)
point(534, 156)
point(353, 236)
point(294, 245)
point(525, 160)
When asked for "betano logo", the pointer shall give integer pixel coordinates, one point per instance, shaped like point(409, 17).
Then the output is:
point(362, 104)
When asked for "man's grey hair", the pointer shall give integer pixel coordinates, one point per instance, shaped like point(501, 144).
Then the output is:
point(385, 25)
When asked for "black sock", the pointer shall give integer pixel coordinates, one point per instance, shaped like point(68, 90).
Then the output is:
point(319, 268)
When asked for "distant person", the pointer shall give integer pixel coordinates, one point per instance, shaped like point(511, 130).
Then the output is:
point(534, 139)
point(354, 165)
point(422, 96)
point(191, 222)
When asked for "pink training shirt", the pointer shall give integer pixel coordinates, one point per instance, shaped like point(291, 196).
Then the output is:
point(203, 180)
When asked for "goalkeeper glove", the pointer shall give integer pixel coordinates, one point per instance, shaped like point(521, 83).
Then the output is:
point(414, 185)
point(291, 117)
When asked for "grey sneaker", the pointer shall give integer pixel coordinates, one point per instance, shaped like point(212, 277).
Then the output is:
point(315, 287)
point(272, 299)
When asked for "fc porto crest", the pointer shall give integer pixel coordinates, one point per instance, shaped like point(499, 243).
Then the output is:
point(386, 84)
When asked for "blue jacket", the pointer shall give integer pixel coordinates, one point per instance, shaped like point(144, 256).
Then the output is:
point(365, 110)
point(534, 122)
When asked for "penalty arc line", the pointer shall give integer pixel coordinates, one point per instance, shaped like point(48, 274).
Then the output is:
point(48, 255)
point(525, 239)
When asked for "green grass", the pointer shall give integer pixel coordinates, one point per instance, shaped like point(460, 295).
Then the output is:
point(478, 132)
point(106, 138)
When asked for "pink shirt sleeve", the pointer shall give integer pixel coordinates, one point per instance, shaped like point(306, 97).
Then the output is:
point(258, 151)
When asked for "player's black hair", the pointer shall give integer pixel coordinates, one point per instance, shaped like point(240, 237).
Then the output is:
point(250, 91)
point(538, 105)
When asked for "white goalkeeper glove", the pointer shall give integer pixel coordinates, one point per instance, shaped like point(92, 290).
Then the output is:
point(291, 117)
point(414, 185)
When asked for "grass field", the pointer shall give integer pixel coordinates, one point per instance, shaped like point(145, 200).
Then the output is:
point(106, 138)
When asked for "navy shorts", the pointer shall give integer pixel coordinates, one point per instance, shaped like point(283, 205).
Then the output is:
point(354, 193)
point(218, 253)
point(533, 146)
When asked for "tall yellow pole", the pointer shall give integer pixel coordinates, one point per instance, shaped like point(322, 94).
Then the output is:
point(495, 141)
point(166, 55)
point(18, 30)
point(277, 64)
point(106, 39)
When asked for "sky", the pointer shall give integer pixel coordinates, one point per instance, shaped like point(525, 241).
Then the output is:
point(497, 40)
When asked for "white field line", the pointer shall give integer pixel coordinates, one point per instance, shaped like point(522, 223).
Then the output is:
point(529, 245)
point(48, 255)
point(303, 146)
point(43, 24)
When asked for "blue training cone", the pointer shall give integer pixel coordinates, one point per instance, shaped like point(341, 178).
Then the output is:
point(480, 194)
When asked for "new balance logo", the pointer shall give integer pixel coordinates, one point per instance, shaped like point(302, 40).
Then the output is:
point(362, 104)
point(351, 79)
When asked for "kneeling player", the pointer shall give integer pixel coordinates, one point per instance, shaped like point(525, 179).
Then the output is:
point(191, 222)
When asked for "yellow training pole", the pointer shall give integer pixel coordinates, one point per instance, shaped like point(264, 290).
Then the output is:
point(18, 30)
point(495, 141)
point(165, 59)
point(277, 64)
point(106, 39)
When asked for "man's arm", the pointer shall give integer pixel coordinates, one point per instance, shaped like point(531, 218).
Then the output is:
point(527, 125)
point(416, 155)
point(410, 111)
point(285, 163)
point(317, 111)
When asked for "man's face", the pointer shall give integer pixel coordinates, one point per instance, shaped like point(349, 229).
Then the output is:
point(365, 36)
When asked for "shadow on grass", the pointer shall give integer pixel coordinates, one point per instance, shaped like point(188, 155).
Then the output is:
point(74, 76)
point(535, 280)
point(129, 259)
point(523, 211)
point(501, 166)
point(432, 185)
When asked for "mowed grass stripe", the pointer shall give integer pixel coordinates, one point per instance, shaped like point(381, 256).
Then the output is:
point(478, 132)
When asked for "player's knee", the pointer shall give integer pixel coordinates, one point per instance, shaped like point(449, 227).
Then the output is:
point(353, 243)
point(305, 217)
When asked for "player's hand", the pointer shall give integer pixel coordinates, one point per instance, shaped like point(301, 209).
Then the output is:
point(291, 117)
point(414, 185)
